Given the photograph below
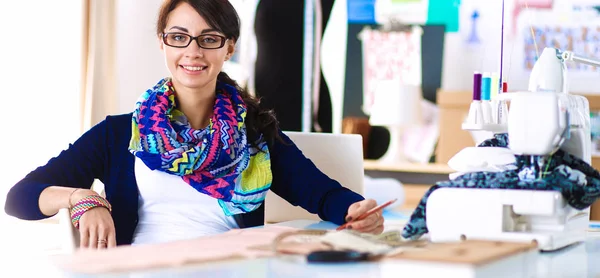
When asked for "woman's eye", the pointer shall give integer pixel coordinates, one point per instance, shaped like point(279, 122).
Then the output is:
point(179, 38)
point(209, 40)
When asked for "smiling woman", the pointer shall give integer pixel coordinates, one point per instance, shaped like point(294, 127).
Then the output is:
point(195, 157)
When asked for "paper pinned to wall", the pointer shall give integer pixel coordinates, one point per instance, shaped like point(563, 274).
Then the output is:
point(444, 12)
point(361, 11)
point(581, 39)
point(405, 1)
point(389, 56)
point(405, 11)
point(521, 5)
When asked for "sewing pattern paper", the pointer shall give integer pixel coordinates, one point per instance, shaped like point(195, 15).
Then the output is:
point(582, 40)
point(389, 56)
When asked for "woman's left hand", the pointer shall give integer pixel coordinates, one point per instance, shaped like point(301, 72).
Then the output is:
point(372, 224)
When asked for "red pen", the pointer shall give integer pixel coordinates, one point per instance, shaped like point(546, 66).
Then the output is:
point(366, 214)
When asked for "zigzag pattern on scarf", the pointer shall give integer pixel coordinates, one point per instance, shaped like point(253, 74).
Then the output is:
point(210, 160)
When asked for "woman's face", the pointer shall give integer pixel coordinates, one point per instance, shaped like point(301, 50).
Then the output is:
point(193, 67)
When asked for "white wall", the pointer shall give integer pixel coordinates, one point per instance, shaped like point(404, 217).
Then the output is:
point(462, 59)
point(140, 62)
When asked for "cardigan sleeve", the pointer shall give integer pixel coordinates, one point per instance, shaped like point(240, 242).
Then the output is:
point(77, 167)
point(297, 180)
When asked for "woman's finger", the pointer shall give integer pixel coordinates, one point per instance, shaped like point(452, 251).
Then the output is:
point(93, 241)
point(102, 237)
point(359, 208)
point(352, 211)
point(112, 240)
point(365, 223)
point(84, 237)
point(376, 228)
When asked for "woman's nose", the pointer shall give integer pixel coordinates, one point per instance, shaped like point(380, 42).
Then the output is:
point(193, 50)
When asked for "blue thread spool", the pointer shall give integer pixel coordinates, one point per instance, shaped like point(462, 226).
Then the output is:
point(486, 86)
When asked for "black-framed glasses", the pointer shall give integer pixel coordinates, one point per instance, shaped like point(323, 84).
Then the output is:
point(182, 40)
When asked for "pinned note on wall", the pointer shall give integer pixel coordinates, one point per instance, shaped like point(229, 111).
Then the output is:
point(444, 12)
point(361, 11)
point(392, 56)
point(436, 12)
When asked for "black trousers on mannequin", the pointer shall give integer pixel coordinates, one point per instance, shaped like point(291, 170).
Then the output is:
point(279, 28)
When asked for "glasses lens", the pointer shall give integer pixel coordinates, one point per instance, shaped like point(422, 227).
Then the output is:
point(177, 39)
point(211, 41)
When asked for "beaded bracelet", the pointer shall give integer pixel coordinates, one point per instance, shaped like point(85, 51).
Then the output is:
point(85, 204)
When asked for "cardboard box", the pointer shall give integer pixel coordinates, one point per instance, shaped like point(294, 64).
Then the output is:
point(454, 108)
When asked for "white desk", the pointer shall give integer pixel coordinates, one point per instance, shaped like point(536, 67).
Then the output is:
point(581, 260)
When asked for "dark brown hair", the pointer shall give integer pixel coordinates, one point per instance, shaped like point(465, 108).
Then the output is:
point(220, 15)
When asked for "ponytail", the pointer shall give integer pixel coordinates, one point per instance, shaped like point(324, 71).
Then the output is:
point(258, 120)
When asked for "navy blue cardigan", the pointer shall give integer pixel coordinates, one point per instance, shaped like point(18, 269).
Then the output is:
point(102, 153)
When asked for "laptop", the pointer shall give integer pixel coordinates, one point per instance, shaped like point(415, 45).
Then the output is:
point(339, 156)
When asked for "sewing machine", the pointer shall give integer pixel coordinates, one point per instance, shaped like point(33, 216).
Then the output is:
point(540, 121)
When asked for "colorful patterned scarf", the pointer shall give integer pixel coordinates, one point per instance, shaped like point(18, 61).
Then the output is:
point(217, 161)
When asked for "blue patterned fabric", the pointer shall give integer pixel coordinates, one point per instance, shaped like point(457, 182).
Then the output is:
point(577, 181)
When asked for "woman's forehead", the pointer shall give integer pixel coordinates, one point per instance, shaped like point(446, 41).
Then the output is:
point(185, 16)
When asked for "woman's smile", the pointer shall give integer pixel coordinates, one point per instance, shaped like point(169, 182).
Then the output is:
point(193, 69)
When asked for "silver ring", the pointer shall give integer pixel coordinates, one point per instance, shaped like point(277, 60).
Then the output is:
point(102, 241)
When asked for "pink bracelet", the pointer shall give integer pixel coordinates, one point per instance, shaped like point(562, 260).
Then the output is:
point(85, 204)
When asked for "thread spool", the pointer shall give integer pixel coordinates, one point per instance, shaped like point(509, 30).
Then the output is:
point(477, 86)
point(495, 86)
point(486, 83)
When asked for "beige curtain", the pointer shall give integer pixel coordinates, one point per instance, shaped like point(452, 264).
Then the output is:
point(98, 79)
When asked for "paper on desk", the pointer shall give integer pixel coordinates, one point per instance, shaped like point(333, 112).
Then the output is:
point(303, 242)
point(227, 246)
point(471, 252)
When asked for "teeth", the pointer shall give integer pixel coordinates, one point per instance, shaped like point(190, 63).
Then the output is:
point(193, 68)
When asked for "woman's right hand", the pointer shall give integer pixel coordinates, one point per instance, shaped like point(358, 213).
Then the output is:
point(96, 226)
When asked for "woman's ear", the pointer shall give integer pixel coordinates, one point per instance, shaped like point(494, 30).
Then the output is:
point(230, 49)
point(161, 44)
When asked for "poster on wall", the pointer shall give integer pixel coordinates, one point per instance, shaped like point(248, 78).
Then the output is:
point(444, 12)
point(406, 11)
point(389, 55)
point(583, 40)
point(361, 11)
point(521, 5)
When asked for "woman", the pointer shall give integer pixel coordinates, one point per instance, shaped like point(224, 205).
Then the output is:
point(196, 157)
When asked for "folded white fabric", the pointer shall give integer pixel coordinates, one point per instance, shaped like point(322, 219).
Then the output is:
point(477, 159)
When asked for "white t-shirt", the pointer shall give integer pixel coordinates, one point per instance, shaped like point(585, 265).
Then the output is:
point(170, 209)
